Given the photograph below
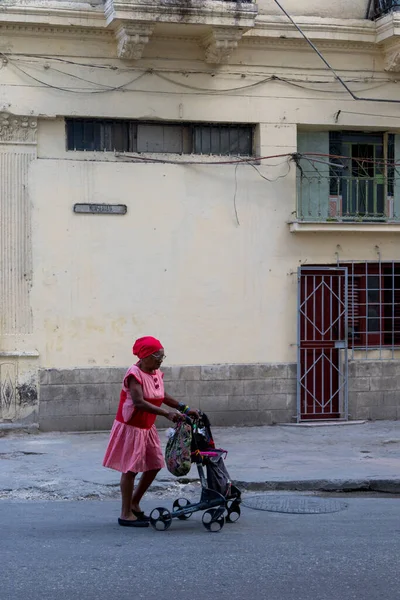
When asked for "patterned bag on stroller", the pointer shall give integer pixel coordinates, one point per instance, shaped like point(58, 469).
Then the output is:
point(178, 450)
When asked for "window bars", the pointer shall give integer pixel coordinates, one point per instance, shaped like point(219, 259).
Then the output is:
point(373, 309)
point(382, 7)
point(121, 135)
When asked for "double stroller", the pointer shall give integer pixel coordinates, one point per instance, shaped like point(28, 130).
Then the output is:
point(220, 499)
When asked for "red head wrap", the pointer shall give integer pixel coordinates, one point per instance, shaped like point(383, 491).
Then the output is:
point(145, 346)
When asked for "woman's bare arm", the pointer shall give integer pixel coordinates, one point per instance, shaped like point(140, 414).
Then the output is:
point(139, 402)
point(170, 401)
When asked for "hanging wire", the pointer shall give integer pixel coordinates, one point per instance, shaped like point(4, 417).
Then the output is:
point(56, 87)
point(234, 196)
point(337, 76)
point(306, 83)
point(249, 160)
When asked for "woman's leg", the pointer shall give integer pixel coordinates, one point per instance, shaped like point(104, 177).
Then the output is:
point(126, 485)
point(145, 482)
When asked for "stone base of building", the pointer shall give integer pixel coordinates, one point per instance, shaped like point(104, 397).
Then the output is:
point(231, 395)
point(374, 390)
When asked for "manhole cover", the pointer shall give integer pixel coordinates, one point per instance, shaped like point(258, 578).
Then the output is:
point(299, 505)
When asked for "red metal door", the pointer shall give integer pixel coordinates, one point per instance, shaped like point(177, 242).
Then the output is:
point(322, 358)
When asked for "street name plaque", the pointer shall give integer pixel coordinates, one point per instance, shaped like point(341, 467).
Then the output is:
point(101, 209)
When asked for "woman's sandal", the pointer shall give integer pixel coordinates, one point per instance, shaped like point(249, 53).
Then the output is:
point(137, 523)
point(141, 516)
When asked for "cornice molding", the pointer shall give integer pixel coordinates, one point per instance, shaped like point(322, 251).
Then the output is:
point(132, 39)
point(317, 28)
point(250, 40)
point(387, 27)
point(229, 25)
point(54, 31)
point(197, 12)
point(220, 44)
point(53, 13)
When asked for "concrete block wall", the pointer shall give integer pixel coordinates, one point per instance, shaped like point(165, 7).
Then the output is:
point(79, 399)
point(87, 399)
point(232, 395)
point(374, 390)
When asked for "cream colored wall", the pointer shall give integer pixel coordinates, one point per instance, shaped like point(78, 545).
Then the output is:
point(178, 265)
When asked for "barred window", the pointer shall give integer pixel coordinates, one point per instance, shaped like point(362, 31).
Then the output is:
point(373, 305)
point(105, 135)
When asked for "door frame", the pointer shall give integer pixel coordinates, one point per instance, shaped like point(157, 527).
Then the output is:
point(341, 344)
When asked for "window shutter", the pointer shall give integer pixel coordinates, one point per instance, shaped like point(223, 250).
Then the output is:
point(313, 178)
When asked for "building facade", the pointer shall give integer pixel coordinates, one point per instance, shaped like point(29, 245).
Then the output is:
point(195, 170)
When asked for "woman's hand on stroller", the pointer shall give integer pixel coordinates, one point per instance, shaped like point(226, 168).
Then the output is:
point(194, 413)
point(173, 416)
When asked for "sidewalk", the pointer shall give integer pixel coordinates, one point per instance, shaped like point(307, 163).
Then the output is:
point(340, 457)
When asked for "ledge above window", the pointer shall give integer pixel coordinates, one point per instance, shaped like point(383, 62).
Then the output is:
point(341, 226)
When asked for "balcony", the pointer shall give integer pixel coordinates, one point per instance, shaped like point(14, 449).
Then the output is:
point(332, 203)
point(218, 24)
point(383, 7)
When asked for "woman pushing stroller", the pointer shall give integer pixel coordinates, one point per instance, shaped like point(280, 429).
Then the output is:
point(134, 446)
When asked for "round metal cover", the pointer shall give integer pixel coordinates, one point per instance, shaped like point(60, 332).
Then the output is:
point(298, 505)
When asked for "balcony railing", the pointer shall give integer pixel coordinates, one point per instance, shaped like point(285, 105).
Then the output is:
point(382, 7)
point(347, 199)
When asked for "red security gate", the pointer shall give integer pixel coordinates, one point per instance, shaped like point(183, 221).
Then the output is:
point(322, 343)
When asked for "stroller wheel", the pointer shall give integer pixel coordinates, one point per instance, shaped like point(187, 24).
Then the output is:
point(233, 510)
point(160, 519)
point(179, 504)
point(213, 519)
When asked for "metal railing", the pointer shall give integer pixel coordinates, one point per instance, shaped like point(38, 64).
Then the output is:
point(350, 199)
point(382, 7)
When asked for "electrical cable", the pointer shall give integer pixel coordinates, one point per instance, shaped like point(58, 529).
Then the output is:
point(179, 71)
point(210, 90)
point(249, 160)
point(358, 159)
point(363, 114)
point(296, 82)
point(337, 76)
point(116, 88)
point(293, 82)
point(234, 196)
point(267, 178)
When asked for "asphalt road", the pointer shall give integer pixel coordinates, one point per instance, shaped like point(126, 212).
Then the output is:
point(76, 551)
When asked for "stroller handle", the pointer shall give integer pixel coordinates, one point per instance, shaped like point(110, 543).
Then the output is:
point(189, 420)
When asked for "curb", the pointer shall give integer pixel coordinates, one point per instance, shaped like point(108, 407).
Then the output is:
point(384, 486)
point(13, 428)
point(387, 486)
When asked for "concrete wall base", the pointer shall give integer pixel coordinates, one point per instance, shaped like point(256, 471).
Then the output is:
point(231, 395)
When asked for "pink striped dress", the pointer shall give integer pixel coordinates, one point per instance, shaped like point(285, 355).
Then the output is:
point(134, 443)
